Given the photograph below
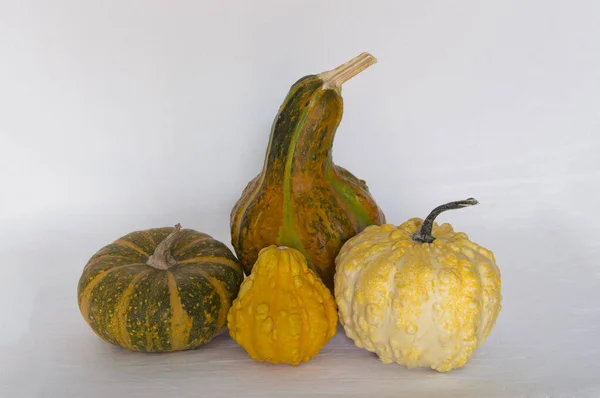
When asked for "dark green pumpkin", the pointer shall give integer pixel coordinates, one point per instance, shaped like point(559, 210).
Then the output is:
point(301, 199)
point(159, 290)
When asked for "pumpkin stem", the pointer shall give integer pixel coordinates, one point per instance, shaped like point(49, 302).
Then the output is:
point(334, 78)
point(424, 235)
point(162, 258)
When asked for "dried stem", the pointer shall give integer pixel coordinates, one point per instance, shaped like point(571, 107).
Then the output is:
point(336, 77)
point(162, 258)
point(424, 235)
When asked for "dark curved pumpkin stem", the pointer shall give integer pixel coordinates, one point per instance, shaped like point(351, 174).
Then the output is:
point(424, 235)
point(162, 258)
point(336, 77)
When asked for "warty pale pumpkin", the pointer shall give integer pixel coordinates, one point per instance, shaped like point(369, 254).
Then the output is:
point(418, 294)
point(301, 199)
point(162, 289)
point(283, 313)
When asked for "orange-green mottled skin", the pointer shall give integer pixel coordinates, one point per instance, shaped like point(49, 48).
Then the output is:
point(301, 199)
point(141, 308)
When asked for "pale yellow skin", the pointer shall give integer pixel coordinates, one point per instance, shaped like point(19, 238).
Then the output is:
point(417, 304)
point(283, 313)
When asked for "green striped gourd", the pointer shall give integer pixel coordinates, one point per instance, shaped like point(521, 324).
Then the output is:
point(301, 199)
point(163, 289)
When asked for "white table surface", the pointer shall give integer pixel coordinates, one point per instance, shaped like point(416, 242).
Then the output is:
point(541, 347)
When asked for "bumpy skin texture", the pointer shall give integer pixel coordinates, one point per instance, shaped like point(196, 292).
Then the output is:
point(301, 199)
point(417, 304)
point(283, 313)
point(141, 308)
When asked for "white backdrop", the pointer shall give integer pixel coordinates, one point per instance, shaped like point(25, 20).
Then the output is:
point(124, 115)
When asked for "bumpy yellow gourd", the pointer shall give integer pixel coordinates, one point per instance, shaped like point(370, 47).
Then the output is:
point(418, 294)
point(283, 313)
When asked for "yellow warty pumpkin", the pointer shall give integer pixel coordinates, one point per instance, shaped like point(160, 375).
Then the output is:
point(283, 313)
point(418, 294)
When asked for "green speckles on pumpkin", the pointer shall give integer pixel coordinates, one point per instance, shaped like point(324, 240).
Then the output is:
point(116, 250)
point(101, 265)
point(203, 307)
point(104, 299)
point(133, 305)
point(224, 273)
point(201, 248)
point(149, 313)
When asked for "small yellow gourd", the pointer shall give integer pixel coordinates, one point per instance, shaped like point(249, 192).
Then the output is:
point(283, 313)
point(418, 294)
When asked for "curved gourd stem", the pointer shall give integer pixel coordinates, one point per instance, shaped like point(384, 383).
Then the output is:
point(334, 78)
point(424, 235)
point(162, 258)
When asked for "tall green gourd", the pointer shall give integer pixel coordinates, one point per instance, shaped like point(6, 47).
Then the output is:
point(301, 199)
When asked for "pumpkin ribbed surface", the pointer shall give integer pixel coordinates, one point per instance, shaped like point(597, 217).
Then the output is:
point(136, 306)
point(284, 313)
point(417, 304)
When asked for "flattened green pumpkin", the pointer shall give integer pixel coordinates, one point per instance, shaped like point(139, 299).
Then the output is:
point(301, 199)
point(159, 290)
